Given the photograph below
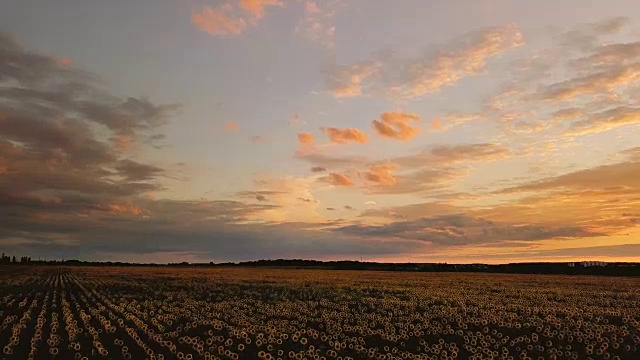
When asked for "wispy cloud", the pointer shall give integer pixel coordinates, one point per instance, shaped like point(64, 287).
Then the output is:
point(346, 81)
point(411, 78)
point(318, 23)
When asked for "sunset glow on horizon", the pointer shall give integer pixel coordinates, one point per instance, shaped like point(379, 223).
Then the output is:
point(488, 131)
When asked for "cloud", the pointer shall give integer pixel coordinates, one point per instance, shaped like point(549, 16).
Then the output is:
point(286, 192)
point(567, 114)
point(262, 196)
point(586, 36)
point(47, 138)
point(123, 142)
point(219, 21)
point(423, 180)
point(135, 171)
point(125, 209)
point(450, 65)
point(231, 127)
point(318, 24)
point(305, 138)
point(346, 81)
point(337, 179)
point(432, 170)
point(413, 211)
point(349, 207)
point(460, 229)
point(318, 169)
point(326, 161)
point(395, 125)
point(449, 154)
point(410, 78)
point(436, 124)
point(600, 82)
point(620, 175)
point(257, 7)
point(591, 197)
point(609, 55)
point(604, 121)
point(345, 136)
point(381, 174)
point(632, 154)
point(228, 19)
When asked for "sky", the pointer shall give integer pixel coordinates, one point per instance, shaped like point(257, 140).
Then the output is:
point(393, 130)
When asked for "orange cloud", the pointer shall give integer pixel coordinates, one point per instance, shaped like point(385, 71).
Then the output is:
point(227, 19)
point(435, 124)
point(3, 170)
point(124, 209)
point(305, 138)
point(219, 21)
point(344, 136)
point(256, 7)
point(231, 127)
point(395, 125)
point(337, 179)
point(381, 174)
point(601, 82)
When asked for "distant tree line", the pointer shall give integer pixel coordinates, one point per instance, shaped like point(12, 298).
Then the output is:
point(7, 260)
point(564, 268)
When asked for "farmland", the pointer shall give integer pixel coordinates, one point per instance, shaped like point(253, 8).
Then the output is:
point(239, 313)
